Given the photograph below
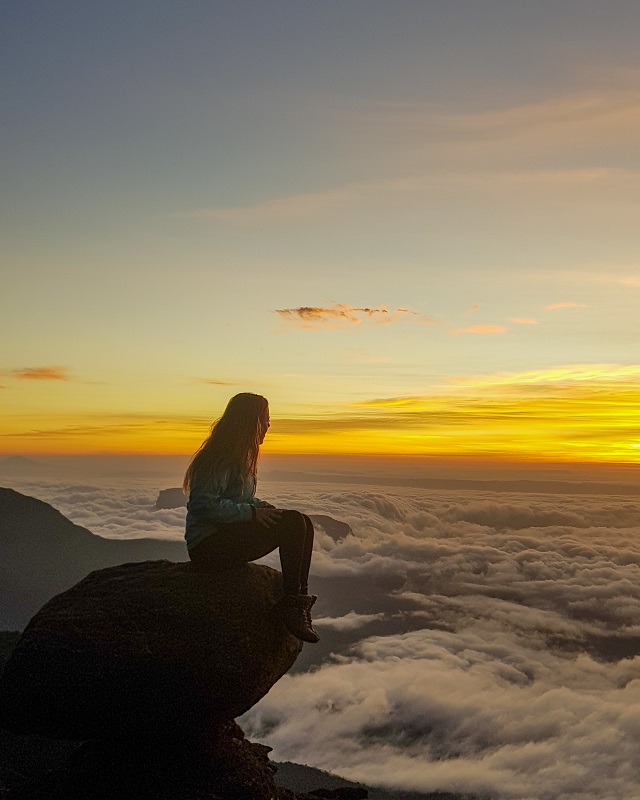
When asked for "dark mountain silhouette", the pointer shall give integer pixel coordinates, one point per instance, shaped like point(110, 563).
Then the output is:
point(301, 778)
point(43, 553)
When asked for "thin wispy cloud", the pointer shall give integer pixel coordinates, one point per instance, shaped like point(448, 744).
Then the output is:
point(556, 306)
point(393, 402)
point(481, 330)
point(614, 114)
point(619, 280)
point(593, 111)
point(523, 321)
point(75, 431)
point(215, 382)
point(423, 185)
point(101, 429)
point(473, 309)
point(615, 274)
point(40, 373)
point(612, 374)
point(610, 275)
point(302, 205)
point(341, 315)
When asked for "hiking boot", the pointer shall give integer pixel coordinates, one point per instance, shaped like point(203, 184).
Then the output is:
point(295, 613)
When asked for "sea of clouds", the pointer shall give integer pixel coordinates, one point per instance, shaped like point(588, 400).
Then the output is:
point(471, 641)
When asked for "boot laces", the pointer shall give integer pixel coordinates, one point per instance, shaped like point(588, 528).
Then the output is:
point(307, 603)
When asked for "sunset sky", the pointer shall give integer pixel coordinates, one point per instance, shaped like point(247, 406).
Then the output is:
point(413, 226)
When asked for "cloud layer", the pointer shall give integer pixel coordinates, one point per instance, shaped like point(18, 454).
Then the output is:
point(471, 641)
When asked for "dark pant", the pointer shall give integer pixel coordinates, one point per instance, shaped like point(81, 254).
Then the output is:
point(240, 542)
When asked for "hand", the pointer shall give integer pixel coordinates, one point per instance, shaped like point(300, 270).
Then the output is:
point(267, 516)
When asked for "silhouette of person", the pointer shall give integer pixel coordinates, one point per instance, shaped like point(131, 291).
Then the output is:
point(227, 524)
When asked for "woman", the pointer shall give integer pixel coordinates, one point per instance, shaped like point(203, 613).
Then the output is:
point(227, 524)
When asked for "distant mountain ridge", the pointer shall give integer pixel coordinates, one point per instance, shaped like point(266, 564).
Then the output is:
point(301, 778)
point(524, 486)
point(43, 553)
point(22, 467)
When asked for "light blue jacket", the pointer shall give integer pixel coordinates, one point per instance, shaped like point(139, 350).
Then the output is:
point(213, 502)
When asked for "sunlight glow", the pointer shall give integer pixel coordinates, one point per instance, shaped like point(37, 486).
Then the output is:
point(566, 414)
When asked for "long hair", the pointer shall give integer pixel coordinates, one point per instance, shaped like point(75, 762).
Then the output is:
point(234, 442)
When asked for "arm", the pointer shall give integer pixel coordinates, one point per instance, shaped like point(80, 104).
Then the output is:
point(207, 502)
point(260, 503)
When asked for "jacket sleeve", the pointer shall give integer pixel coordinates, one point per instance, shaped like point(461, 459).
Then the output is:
point(207, 502)
point(260, 503)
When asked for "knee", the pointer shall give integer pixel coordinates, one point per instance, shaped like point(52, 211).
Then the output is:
point(293, 518)
point(294, 523)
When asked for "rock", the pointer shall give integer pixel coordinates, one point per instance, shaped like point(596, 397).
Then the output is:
point(146, 646)
point(336, 529)
point(218, 764)
point(171, 498)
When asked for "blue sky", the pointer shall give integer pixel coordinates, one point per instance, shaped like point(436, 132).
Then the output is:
point(176, 174)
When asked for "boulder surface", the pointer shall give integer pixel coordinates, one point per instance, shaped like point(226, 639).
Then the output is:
point(145, 646)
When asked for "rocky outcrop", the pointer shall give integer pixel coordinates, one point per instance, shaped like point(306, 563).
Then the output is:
point(336, 529)
point(218, 764)
point(142, 647)
point(171, 498)
point(150, 663)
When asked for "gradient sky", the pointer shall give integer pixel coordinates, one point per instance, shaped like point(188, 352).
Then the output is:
point(413, 226)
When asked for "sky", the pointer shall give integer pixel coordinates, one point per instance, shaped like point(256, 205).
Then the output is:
point(472, 642)
point(411, 225)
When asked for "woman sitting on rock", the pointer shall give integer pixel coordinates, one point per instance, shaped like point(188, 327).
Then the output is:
point(227, 524)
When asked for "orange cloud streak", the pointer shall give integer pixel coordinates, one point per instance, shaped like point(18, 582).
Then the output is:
point(481, 329)
point(40, 373)
point(315, 316)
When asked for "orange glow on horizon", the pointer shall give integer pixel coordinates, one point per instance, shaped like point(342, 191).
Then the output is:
point(583, 420)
